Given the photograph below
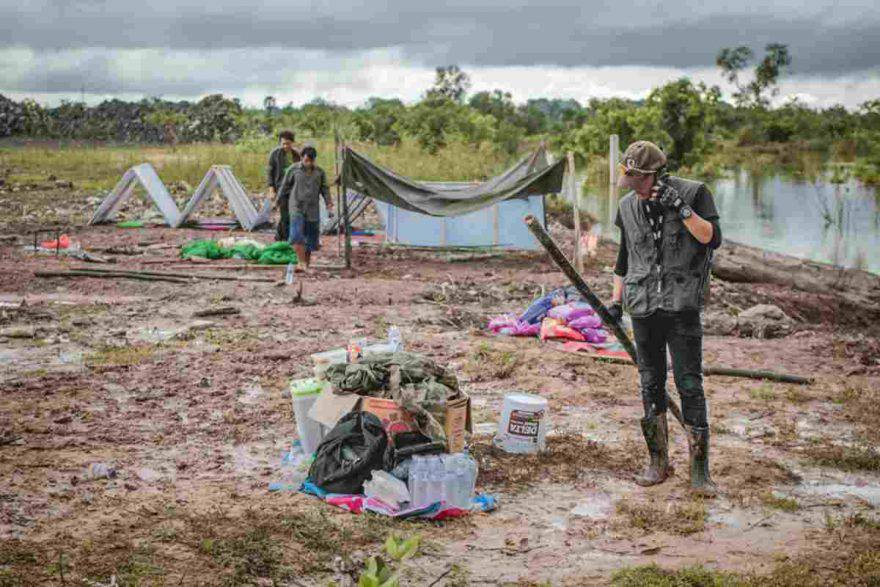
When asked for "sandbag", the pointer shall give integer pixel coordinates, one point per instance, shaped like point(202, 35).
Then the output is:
point(349, 453)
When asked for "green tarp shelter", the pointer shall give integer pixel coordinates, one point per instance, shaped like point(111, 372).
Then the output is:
point(532, 175)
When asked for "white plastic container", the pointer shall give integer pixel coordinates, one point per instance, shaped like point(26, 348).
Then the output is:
point(523, 425)
point(304, 392)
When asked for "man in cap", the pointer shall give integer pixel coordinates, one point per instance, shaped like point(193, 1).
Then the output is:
point(669, 228)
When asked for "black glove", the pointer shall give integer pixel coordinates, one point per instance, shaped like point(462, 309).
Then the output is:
point(616, 311)
point(668, 196)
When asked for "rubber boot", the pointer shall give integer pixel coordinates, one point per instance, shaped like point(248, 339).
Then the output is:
point(698, 445)
point(656, 435)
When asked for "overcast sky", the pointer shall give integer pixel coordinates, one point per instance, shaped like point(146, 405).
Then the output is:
point(346, 51)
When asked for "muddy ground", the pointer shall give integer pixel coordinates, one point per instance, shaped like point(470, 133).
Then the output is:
point(192, 412)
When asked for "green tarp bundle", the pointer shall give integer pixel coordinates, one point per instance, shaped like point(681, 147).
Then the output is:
point(532, 175)
point(273, 254)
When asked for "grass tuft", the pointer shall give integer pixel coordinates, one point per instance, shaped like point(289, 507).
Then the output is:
point(488, 362)
point(681, 518)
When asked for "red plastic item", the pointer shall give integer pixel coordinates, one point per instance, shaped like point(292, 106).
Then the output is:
point(61, 243)
point(552, 328)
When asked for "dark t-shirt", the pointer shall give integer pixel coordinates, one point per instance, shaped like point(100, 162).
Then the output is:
point(703, 206)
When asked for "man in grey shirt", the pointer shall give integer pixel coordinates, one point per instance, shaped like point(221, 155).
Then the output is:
point(303, 184)
point(280, 160)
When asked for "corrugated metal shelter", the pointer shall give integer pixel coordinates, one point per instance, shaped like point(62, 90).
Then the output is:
point(221, 177)
point(145, 176)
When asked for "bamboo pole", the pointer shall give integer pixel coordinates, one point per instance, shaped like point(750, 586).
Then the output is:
point(336, 156)
point(172, 274)
point(613, 325)
point(345, 215)
point(575, 205)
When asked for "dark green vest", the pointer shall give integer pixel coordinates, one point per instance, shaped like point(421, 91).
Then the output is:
point(679, 282)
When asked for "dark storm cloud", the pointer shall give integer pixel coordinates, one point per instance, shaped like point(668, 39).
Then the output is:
point(825, 38)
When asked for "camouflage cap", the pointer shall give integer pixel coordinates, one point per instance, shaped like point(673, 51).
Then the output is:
point(642, 158)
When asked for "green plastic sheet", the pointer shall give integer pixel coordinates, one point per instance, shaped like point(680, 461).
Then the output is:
point(131, 224)
point(273, 254)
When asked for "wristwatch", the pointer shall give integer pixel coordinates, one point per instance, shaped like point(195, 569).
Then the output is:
point(685, 212)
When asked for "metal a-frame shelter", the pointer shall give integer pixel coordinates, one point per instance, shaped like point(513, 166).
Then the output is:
point(145, 176)
point(221, 177)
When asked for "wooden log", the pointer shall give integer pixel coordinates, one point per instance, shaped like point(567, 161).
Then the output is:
point(179, 275)
point(75, 273)
point(720, 371)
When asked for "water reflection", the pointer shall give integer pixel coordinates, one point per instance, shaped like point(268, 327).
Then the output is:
point(833, 222)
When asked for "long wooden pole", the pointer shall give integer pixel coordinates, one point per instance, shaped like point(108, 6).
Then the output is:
point(345, 213)
point(724, 371)
point(578, 281)
point(575, 206)
point(336, 156)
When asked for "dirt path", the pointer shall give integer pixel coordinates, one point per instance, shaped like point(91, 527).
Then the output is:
point(193, 415)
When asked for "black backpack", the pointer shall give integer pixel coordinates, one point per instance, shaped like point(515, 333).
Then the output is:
point(349, 454)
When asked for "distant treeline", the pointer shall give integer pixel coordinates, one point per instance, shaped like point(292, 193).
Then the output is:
point(685, 118)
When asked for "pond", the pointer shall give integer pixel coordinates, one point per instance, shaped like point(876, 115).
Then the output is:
point(832, 222)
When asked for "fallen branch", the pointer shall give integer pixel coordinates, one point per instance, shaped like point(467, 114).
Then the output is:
point(221, 311)
point(724, 371)
point(75, 273)
point(180, 275)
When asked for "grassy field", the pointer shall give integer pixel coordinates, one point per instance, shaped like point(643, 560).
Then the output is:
point(100, 167)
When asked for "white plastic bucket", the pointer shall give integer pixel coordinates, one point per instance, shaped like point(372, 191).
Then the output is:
point(304, 392)
point(523, 425)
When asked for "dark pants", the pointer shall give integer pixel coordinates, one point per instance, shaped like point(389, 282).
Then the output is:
point(282, 232)
point(682, 332)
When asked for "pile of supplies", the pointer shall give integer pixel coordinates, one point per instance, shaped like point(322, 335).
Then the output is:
point(561, 314)
point(383, 430)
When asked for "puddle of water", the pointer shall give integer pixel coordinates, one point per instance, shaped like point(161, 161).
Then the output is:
point(867, 492)
point(598, 507)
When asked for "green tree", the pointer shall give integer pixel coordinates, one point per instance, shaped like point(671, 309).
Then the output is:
point(687, 115)
point(450, 83)
point(766, 73)
point(496, 103)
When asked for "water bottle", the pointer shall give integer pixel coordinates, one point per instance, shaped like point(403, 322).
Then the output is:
point(416, 487)
point(395, 339)
point(288, 276)
point(438, 473)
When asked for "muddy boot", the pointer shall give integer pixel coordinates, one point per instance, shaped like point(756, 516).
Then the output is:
point(656, 436)
point(698, 445)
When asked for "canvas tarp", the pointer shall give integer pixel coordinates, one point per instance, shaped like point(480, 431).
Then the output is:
point(532, 175)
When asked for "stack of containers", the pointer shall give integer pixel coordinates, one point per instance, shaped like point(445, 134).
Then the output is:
point(304, 392)
point(447, 478)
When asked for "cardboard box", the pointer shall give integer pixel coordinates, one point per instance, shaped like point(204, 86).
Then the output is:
point(330, 407)
point(394, 418)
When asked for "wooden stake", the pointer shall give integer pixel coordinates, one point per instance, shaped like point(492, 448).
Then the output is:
point(575, 205)
point(613, 154)
point(345, 214)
